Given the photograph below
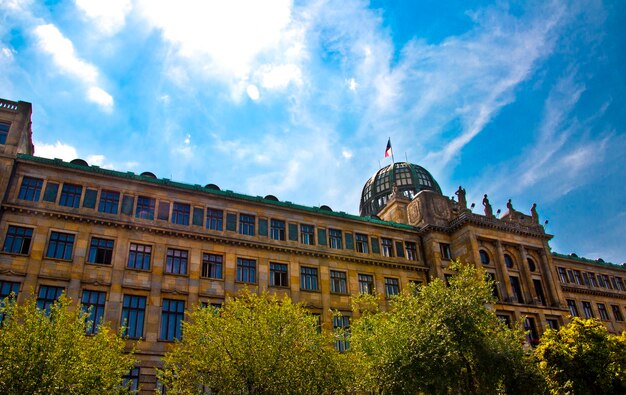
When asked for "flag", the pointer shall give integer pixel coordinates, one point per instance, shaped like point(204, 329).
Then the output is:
point(388, 151)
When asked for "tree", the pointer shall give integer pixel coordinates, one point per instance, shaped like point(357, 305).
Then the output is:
point(583, 358)
point(48, 352)
point(255, 344)
point(440, 339)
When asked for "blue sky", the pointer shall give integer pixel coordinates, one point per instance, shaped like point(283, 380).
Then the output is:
point(521, 100)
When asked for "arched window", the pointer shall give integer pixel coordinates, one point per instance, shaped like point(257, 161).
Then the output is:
point(531, 265)
point(508, 261)
point(484, 257)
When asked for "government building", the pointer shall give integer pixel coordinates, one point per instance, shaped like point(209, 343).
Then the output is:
point(141, 250)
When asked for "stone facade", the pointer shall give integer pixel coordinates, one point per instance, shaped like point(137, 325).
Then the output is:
point(83, 229)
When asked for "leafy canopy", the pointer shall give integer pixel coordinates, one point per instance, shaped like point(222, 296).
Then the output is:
point(50, 354)
point(440, 339)
point(255, 344)
point(583, 358)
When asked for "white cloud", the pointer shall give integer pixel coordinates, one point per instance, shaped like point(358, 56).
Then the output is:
point(100, 97)
point(108, 16)
point(224, 36)
point(57, 150)
point(52, 41)
point(346, 153)
point(280, 76)
point(352, 85)
point(7, 54)
point(253, 92)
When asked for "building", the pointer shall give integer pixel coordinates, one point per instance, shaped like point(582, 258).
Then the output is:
point(142, 250)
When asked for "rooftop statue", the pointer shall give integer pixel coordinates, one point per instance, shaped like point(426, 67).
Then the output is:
point(461, 195)
point(488, 209)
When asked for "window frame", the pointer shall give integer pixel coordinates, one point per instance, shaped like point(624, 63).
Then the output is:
point(277, 229)
point(339, 279)
point(213, 220)
point(58, 242)
point(181, 213)
point(277, 272)
point(484, 257)
point(5, 128)
point(139, 254)
point(588, 309)
point(392, 284)
point(309, 279)
point(71, 196)
point(604, 313)
point(109, 202)
point(361, 241)
point(247, 224)
point(572, 307)
point(411, 250)
point(30, 192)
point(386, 247)
point(47, 300)
point(171, 319)
point(306, 237)
point(446, 251)
point(94, 252)
point(94, 308)
point(145, 208)
point(19, 236)
point(174, 261)
point(246, 271)
point(335, 238)
point(136, 332)
point(211, 268)
point(366, 283)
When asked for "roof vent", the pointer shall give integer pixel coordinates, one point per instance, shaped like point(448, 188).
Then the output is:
point(573, 254)
point(600, 260)
point(271, 197)
point(212, 187)
point(79, 162)
point(326, 208)
point(148, 174)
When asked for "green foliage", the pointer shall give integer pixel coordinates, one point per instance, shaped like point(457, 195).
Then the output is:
point(440, 339)
point(50, 354)
point(255, 344)
point(583, 358)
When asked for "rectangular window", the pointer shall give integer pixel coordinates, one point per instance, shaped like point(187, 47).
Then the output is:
point(306, 234)
point(7, 288)
point(607, 283)
point(47, 296)
point(570, 276)
point(338, 282)
point(212, 265)
point(341, 327)
point(578, 277)
point(573, 310)
point(604, 314)
point(128, 202)
point(277, 229)
point(176, 261)
point(362, 245)
point(387, 246)
point(50, 193)
point(93, 303)
point(18, 240)
point(334, 238)
point(586, 279)
point(617, 312)
point(133, 314)
point(131, 380)
point(172, 316)
point(601, 281)
point(4, 132)
point(214, 219)
point(100, 251)
point(593, 280)
point(539, 291)
point(246, 270)
point(163, 212)
point(587, 310)
point(494, 287)
point(279, 276)
point(246, 224)
point(30, 189)
point(109, 202)
point(308, 278)
point(531, 330)
point(392, 286)
point(60, 246)
point(70, 195)
point(553, 323)
point(446, 254)
point(562, 275)
point(145, 207)
point(366, 284)
point(91, 196)
point(517, 289)
point(617, 283)
point(139, 256)
point(198, 216)
point(411, 250)
point(180, 213)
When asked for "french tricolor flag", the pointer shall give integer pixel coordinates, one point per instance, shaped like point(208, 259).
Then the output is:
point(388, 151)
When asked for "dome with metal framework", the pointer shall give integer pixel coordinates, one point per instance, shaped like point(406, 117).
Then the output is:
point(409, 178)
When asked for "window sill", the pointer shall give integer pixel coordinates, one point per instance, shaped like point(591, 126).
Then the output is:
point(245, 283)
point(212, 279)
point(176, 274)
point(59, 260)
point(14, 253)
point(317, 291)
point(279, 286)
point(340, 293)
point(99, 264)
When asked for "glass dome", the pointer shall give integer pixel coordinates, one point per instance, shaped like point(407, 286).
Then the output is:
point(409, 178)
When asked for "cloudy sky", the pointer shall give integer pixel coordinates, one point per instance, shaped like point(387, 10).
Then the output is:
point(521, 100)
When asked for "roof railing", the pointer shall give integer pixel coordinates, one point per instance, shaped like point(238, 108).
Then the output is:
point(8, 105)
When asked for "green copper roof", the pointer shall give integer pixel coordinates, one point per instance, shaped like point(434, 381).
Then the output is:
point(592, 261)
point(198, 188)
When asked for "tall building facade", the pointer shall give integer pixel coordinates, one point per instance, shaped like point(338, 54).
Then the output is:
point(142, 250)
